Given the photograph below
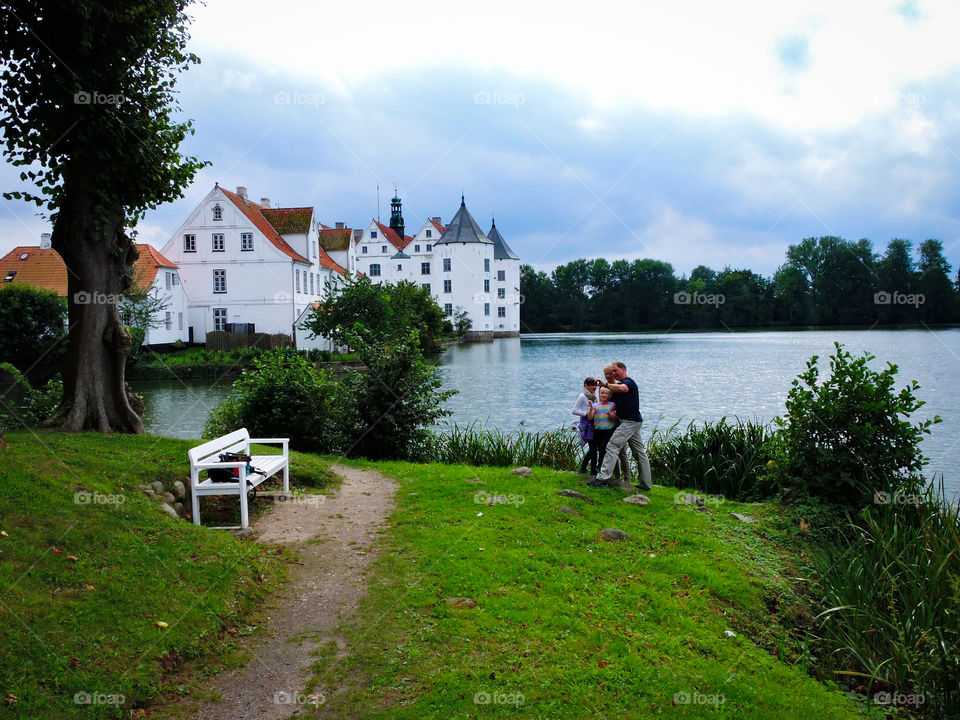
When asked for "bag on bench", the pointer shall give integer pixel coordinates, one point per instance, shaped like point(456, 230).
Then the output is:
point(232, 474)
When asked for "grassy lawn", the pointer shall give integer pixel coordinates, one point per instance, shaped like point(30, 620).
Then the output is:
point(102, 595)
point(568, 625)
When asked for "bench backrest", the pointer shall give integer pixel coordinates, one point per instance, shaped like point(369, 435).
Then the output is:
point(232, 442)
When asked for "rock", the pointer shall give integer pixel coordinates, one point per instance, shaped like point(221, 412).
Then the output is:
point(144, 488)
point(638, 499)
point(690, 499)
point(567, 510)
point(157, 486)
point(614, 535)
point(169, 511)
point(703, 509)
point(178, 490)
point(168, 498)
point(149, 493)
point(242, 532)
point(574, 494)
point(522, 471)
point(461, 603)
point(742, 518)
point(178, 506)
point(729, 633)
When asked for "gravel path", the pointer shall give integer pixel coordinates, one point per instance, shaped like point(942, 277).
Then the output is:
point(321, 592)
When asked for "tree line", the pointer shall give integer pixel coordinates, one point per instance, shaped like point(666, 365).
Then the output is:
point(824, 281)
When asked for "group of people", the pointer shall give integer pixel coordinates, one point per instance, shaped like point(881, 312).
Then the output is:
point(610, 423)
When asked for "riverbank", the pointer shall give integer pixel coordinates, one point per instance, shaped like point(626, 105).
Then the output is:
point(569, 621)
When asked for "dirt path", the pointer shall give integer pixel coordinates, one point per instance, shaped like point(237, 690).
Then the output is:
point(321, 592)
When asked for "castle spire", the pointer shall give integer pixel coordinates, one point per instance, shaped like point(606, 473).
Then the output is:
point(396, 214)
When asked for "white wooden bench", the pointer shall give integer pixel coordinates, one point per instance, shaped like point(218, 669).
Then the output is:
point(207, 456)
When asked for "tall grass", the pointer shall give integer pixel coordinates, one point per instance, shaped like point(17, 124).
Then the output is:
point(726, 457)
point(893, 595)
point(474, 445)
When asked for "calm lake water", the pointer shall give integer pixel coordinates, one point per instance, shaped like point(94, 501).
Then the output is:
point(532, 382)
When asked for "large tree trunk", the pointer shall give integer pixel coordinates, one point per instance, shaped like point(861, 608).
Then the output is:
point(89, 236)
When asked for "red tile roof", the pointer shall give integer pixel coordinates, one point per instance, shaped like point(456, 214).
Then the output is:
point(438, 226)
point(289, 220)
point(390, 234)
point(328, 262)
point(335, 238)
point(45, 268)
point(254, 213)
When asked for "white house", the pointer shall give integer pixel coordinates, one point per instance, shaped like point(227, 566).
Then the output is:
point(250, 267)
point(43, 267)
point(464, 268)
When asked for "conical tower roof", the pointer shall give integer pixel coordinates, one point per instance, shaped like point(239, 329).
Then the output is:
point(463, 229)
point(501, 251)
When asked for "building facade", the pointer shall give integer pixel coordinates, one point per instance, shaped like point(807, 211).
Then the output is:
point(465, 269)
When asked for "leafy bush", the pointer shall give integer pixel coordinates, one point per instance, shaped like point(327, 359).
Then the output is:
point(726, 458)
point(844, 439)
point(32, 330)
point(24, 405)
point(285, 396)
point(892, 595)
point(137, 336)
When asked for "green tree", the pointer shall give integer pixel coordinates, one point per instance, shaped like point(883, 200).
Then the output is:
point(848, 437)
point(33, 335)
point(896, 278)
point(791, 295)
point(939, 296)
point(841, 277)
point(88, 100)
point(536, 312)
point(385, 309)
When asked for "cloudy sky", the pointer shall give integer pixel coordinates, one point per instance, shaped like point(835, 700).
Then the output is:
point(691, 132)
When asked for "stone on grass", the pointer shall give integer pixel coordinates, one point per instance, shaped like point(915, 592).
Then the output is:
point(178, 506)
point(742, 518)
point(638, 499)
point(703, 509)
point(157, 486)
point(169, 511)
point(461, 603)
point(574, 494)
point(568, 510)
point(149, 493)
point(168, 498)
point(690, 499)
point(522, 471)
point(614, 535)
point(178, 490)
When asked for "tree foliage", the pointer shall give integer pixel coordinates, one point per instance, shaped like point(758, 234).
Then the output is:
point(385, 310)
point(824, 281)
point(32, 330)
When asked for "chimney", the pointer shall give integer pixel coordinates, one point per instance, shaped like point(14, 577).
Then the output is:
point(436, 220)
point(242, 191)
point(339, 226)
point(44, 241)
point(265, 202)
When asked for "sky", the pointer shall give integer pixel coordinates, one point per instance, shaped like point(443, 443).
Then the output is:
point(691, 132)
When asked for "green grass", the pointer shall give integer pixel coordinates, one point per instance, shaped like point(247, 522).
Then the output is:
point(82, 586)
point(574, 626)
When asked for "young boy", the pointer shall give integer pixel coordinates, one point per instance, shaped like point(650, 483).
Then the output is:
point(604, 416)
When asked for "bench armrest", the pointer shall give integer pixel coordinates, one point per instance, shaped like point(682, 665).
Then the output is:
point(285, 442)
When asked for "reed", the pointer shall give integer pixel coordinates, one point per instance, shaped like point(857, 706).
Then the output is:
point(723, 458)
point(475, 445)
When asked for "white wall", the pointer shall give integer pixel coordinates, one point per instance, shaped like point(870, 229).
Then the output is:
point(176, 299)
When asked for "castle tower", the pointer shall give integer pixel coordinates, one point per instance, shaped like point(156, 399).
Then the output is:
point(396, 216)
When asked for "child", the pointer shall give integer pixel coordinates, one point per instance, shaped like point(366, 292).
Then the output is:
point(604, 418)
point(581, 408)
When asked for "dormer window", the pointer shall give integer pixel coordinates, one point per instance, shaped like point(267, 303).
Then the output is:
point(373, 233)
point(217, 213)
point(429, 233)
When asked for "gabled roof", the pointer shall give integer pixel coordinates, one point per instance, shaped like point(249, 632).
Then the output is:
point(288, 221)
point(334, 239)
point(390, 234)
point(254, 213)
point(324, 260)
point(463, 229)
point(44, 268)
point(438, 226)
point(501, 251)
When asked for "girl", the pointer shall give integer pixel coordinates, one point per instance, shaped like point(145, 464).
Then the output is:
point(581, 408)
point(604, 418)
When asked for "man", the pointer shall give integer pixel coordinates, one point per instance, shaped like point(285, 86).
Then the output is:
point(627, 398)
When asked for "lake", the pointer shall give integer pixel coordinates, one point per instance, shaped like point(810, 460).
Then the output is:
point(532, 381)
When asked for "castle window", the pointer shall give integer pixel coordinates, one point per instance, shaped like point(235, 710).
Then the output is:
point(425, 268)
point(501, 275)
point(501, 311)
point(448, 308)
point(375, 270)
point(217, 213)
point(416, 248)
point(218, 245)
point(429, 247)
point(501, 293)
point(447, 286)
point(486, 285)
point(486, 308)
point(189, 243)
point(246, 242)
point(219, 281)
point(446, 264)
point(486, 264)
